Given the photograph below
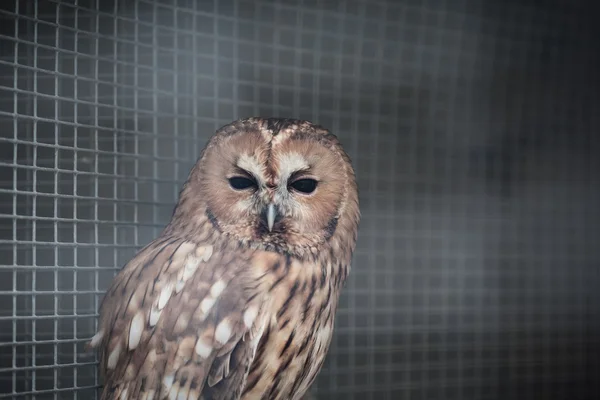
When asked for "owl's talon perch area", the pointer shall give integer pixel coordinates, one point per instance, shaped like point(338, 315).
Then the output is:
point(237, 297)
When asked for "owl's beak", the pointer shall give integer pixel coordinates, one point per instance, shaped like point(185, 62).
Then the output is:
point(271, 215)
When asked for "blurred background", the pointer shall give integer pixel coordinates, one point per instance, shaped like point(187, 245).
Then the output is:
point(473, 128)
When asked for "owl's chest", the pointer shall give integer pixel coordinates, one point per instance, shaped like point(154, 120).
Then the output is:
point(293, 347)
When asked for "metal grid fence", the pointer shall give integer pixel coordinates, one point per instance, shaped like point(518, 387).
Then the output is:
point(471, 125)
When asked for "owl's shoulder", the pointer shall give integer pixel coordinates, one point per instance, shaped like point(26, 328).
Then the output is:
point(178, 301)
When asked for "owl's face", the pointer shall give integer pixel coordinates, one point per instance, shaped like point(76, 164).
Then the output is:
point(276, 184)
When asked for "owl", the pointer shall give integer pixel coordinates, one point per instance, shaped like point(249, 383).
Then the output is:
point(236, 298)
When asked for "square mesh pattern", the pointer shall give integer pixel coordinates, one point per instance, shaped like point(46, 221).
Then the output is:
point(472, 126)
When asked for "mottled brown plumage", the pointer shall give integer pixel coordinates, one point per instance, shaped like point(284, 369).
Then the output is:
point(237, 297)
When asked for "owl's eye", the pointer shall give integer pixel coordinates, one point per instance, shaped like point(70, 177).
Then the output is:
point(304, 185)
point(241, 182)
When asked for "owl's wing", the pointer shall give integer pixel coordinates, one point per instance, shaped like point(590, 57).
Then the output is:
point(179, 322)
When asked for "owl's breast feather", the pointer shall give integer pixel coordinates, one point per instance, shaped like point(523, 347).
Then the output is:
point(292, 349)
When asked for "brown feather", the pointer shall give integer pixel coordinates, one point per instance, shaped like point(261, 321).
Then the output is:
point(198, 327)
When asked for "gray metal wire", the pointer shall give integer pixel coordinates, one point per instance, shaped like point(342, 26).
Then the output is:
point(471, 127)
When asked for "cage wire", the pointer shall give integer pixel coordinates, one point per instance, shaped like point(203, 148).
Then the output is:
point(472, 126)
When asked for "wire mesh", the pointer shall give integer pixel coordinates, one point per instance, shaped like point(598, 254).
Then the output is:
point(471, 127)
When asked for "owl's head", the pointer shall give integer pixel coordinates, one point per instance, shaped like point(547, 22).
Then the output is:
point(278, 184)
